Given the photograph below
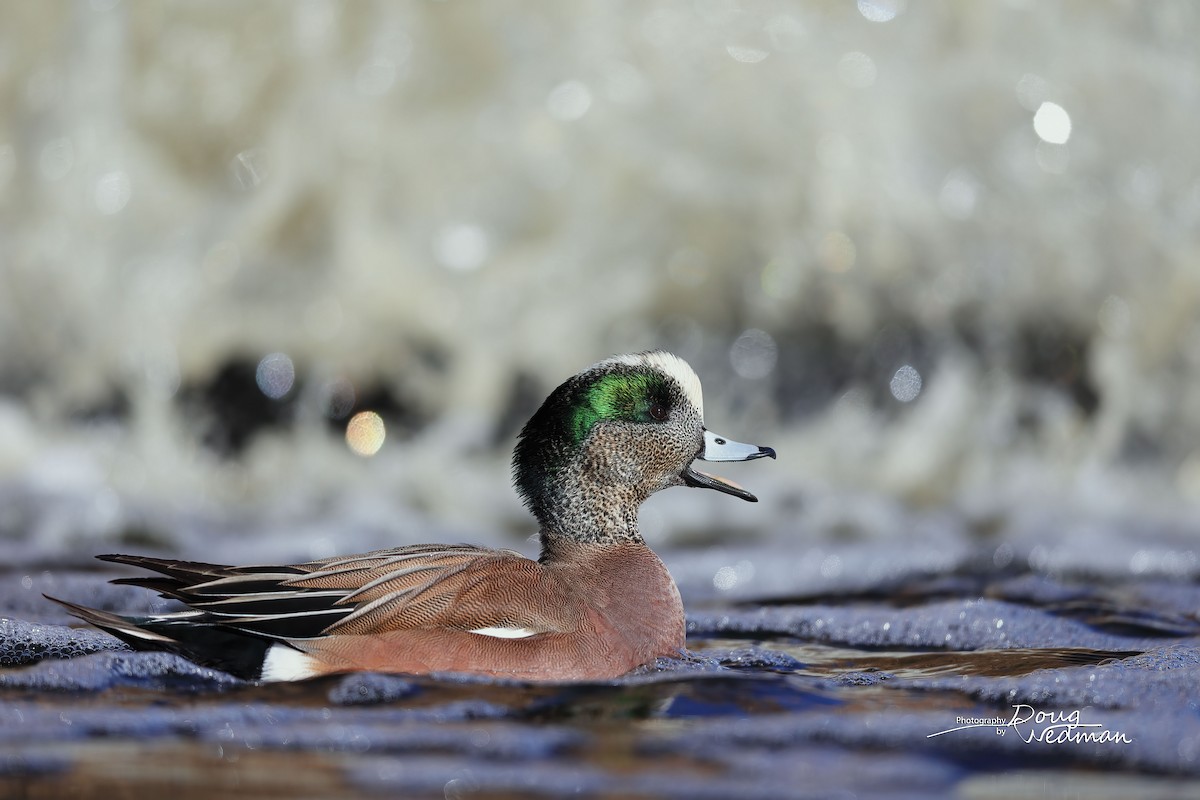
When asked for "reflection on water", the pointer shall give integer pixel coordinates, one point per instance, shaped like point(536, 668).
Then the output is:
point(625, 736)
point(823, 660)
point(850, 704)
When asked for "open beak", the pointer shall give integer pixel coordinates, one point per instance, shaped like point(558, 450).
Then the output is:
point(718, 448)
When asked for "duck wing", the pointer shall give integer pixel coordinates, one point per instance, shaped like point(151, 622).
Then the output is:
point(419, 586)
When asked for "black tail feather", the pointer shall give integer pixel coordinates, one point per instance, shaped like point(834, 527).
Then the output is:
point(166, 566)
point(239, 652)
point(167, 587)
point(239, 612)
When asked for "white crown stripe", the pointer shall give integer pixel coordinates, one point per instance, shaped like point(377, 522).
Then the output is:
point(670, 365)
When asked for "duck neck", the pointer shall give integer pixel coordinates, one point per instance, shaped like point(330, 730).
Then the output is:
point(583, 512)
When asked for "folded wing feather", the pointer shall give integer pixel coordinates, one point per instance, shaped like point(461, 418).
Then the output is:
point(423, 586)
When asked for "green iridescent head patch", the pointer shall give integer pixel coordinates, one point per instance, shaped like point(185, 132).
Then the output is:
point(624, 396)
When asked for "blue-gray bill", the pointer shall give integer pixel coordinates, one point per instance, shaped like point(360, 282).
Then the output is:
point(718, 448)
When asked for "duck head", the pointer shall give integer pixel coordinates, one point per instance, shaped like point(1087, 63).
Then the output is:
point(611, 436)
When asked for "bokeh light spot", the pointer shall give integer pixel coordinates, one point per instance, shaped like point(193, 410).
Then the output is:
point(461, 247)
point(1032, 90)
point(838, 252)
point(906, 384)
point(831, 566)
point(56, 159)
point(746, 55)
point(880, 10)
point(249, 168)
point(728, 577)
point(112, 192)
point(569, 101)
point(365, 433)
point(754, 354)
point(1052, 123)
point(857, 70)
point(725, 579)
point(275, 375)
point(959, 195)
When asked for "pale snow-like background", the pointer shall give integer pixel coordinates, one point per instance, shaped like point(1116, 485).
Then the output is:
point(940, 255)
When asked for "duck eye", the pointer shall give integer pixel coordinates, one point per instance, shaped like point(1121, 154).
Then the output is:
point(659, 412)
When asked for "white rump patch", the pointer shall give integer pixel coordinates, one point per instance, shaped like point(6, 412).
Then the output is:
point(672, 365)
point(506, 633)
point(285, 663)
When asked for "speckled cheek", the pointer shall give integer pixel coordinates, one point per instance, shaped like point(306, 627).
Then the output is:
point(649, 457)
point(623, 468)
point(614, 458)
point(685, 431)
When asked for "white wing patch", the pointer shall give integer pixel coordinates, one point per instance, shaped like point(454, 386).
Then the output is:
point(670, 364)
point(285, 663)
point(506, 633)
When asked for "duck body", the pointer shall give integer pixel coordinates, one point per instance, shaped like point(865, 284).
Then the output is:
point(595, 615)
point(596, 604)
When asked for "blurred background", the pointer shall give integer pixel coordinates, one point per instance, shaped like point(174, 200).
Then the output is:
point(282, 280)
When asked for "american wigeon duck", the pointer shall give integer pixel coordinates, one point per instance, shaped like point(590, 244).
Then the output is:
point(596, 604)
